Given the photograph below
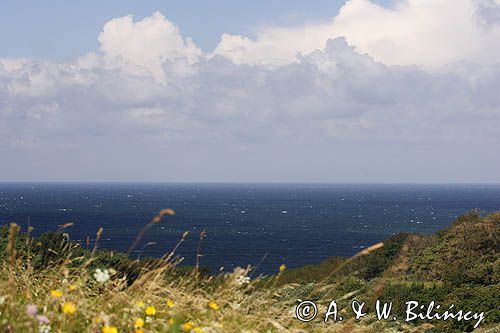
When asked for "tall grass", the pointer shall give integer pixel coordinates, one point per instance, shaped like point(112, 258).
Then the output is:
point(70, 294)
point(67, 289)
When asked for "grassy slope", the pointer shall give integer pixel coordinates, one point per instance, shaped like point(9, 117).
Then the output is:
point(459, 265)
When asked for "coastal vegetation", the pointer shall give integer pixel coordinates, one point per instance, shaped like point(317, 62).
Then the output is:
point(50, 283)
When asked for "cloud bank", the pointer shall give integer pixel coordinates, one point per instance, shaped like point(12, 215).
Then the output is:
point(375, 82)
point(431, 33)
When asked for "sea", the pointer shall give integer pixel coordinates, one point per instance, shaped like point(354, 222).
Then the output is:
point(263, 225)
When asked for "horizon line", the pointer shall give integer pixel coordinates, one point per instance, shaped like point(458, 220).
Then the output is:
point(251, 182)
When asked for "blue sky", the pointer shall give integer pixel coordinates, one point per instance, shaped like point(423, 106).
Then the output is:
point(61, 30)
point(279, 91)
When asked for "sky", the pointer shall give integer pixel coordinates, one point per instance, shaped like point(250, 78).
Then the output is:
point(56, 24)
point(260, 91)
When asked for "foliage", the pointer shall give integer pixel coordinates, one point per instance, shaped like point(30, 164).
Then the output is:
point(50, 283)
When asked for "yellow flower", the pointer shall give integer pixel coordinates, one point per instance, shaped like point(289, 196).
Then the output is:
point(138, 330)
point(71, 287)
point(56, 293)
point(140, 304)
point(109, 329)
point(150, 311)
point(282, 268)
point(197, 330)
point(171, 321)
point(213, 306)
point(69, 308)
point(187, 326)
point(170, 303)
point(139, 322)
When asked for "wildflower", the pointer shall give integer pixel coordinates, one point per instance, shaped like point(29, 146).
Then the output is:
point(150, 311)
point(186, 327)
point(197, 329)
point(72, 287)
point(56, 293)
point(138, 330)
point(282, 268)
point(44, 328)
point(170, 304)
point(31, 310)
point(140, 304)
point(139, 322)
point(69, 308)
point(101, 276)
point(242, 280)
point(42, 320)
point(109, 329)
point(212, 305)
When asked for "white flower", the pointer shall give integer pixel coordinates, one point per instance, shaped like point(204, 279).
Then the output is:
point(101, 276)
point(242, 280)
point(207, 329)
point(44, 328)
point(149, 319)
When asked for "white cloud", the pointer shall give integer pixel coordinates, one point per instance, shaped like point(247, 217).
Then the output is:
point(424, 32)
point(146, 44)
point(149, 89)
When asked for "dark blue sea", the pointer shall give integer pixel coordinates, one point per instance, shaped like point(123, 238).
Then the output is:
point(295, 224)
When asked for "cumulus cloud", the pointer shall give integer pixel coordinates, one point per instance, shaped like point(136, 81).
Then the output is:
point(425, 32)
point(148, 88)
point(146, 44)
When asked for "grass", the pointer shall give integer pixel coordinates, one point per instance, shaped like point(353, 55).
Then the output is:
point(50, 284)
